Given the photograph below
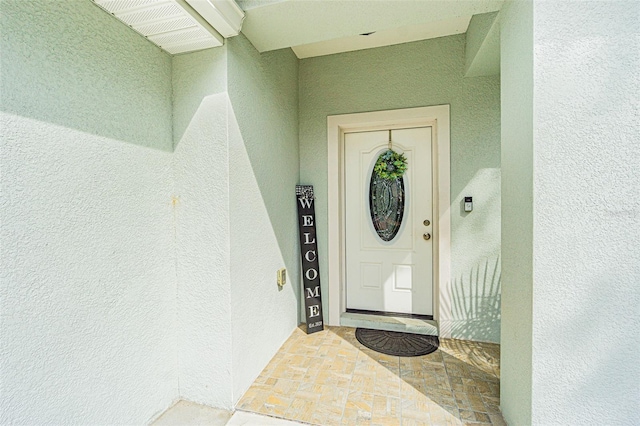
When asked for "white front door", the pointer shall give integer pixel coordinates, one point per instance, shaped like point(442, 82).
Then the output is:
point(389, 263)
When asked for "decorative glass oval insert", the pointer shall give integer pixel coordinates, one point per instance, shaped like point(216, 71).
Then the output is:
point(386, 205)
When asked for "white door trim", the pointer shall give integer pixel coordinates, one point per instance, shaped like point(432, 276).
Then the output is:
point(337, 126)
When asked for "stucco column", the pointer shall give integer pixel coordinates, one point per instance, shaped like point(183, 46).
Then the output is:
point(571, 214)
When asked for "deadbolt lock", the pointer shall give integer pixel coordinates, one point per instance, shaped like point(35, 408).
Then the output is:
point(427, 222)
point(427, 236)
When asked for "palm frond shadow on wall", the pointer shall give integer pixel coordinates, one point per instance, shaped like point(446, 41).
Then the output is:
point(476, 302)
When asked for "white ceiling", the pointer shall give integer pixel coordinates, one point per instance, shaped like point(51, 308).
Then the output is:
point(384, 38)
point(323, 27)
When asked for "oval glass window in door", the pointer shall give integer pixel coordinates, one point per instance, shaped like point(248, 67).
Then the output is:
point(386, 204)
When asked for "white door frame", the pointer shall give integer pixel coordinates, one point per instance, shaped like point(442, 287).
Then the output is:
point(337, 125)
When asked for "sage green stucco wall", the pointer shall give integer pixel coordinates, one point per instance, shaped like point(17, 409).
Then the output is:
point(516, 45)
point(201, 217)
point(87, 283)
point(195, 76)
point(64, 62)
point(571, 215)
point(263, 171)
point(586, 213)
point(412, 75)
point(236, 164)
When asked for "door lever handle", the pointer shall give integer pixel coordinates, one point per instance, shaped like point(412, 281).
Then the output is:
point(426, 236)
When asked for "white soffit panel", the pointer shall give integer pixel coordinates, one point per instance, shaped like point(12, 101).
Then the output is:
point(170, 24)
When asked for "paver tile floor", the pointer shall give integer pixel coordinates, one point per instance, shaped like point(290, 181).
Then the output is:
point(329, 378)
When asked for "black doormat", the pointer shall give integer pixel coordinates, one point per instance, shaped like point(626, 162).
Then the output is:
point(396, 343)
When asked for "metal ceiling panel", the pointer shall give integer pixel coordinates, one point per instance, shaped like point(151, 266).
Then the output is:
point(172, 25)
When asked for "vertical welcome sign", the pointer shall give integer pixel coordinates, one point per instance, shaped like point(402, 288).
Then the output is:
point(309, 254)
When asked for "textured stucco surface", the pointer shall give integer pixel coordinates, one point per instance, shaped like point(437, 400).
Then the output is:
point(193, 77)
point(264, 169)
point(87, 278)
point(235, 166)
point(586, 213)
point(87, 295)
point(411, 75)
point(517, 210)
point(482, 50)
point(571, 219)
point(66, 62)
point(201, 194)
